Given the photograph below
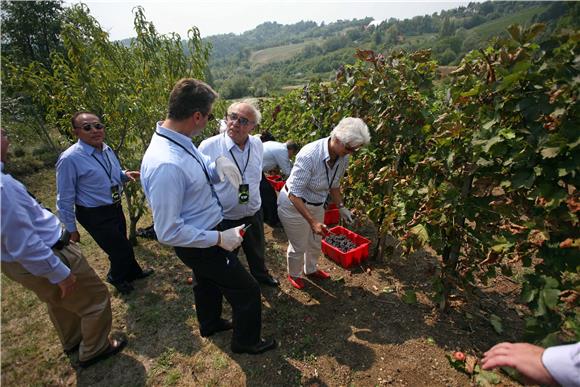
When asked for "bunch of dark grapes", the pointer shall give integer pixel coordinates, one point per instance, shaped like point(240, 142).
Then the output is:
point(341, 242)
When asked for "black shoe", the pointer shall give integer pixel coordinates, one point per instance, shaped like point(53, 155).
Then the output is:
point(268, 280)
point(261, 347)
point(123, 287)
point(144, 273)
point(224, 325)
point(115, 346)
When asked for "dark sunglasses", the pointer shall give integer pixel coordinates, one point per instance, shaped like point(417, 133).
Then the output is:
point(242, 120)
point(97, 125)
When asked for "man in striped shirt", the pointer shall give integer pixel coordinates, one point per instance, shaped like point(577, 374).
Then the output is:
point(317, 171)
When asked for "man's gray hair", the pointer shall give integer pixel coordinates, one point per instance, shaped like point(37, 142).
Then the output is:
point(351, 131)
point(257, 113)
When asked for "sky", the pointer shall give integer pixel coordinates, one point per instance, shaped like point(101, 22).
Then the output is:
point(223, 16)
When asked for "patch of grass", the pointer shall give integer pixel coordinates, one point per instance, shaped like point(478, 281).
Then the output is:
point(220, 361)
point(489, 29)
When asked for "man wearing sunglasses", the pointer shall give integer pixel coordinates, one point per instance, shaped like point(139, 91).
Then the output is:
point(89, 183)
point(242, 205)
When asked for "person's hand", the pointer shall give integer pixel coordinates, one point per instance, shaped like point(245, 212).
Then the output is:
point(345, 214)
point(75, 237)
point(524, 357)
point(320, 229)
point(231, 238)
point(226, 169)
point(133, 175)
point(67, 285)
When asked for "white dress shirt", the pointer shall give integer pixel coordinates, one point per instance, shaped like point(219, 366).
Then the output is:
point(276, 155)
point(249, 162)
point(563, 363)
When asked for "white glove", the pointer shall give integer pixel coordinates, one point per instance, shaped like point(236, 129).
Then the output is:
point(226, 168)
point(231, 238)
point(345, 214)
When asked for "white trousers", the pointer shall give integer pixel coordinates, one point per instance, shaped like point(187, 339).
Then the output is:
point(303, 245)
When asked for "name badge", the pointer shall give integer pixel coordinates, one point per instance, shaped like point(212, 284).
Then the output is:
point(115, 194)
point(244, 193)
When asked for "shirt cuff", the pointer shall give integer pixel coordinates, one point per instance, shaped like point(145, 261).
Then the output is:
point(216, 237)
point(70, 227)
point(563, 363)
point(59, 274)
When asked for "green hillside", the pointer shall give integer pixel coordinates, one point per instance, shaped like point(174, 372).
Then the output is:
point(263, 61)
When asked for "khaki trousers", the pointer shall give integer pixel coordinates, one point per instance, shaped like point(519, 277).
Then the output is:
point(303, 245)
point(83, 317)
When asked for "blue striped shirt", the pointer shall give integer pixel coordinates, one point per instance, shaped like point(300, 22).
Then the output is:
point(222, 145)
point(178, 192)
point(80, 179)
point(312, 177)
point(28, 232)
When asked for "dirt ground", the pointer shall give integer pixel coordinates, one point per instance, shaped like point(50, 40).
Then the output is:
point(351, 330)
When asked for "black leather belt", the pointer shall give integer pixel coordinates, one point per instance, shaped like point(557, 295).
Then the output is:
point(63, 241)
point(304, 200)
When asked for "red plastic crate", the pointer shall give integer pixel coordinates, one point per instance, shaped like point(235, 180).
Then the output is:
point(351, 257)
point(276, 182)
point(331, 216)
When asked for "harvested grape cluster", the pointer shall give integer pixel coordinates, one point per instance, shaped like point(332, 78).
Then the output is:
point(341, 242)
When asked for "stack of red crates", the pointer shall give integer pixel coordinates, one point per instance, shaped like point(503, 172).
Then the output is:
point(352, 257)
point(276, 182)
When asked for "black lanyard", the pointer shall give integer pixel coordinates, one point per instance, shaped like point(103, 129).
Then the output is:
point(109, 172)
point(333, 176)
point(192, 155)
point(247, 161)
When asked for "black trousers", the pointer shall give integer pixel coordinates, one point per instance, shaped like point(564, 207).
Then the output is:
point(108, 227)
point(269, 203)
point(220, 274)
point(254, 243)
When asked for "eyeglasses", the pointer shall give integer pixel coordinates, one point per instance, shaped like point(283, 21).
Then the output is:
point(97, 125)
point(242, 120)
point(351, 149)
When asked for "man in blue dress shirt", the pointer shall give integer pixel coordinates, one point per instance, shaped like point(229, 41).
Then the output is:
point(242, 205)
point(89, 182)
point(178, 181)
point(36, 254)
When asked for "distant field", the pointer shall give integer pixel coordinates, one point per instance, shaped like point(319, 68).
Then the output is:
point(279, 53)
point(491, 28)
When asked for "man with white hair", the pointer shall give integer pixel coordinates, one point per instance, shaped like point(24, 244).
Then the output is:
point(242, 205)
point(317, 171)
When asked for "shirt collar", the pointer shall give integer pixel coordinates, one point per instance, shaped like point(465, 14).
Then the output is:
point(230, 143)
point(325, 153)
point(89, 149)
point(177, 137)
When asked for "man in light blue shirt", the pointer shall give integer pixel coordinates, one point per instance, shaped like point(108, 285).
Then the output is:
point(36, 254)
point(89, 183)
point(179, 183)
point(278, 155)
point(242, 205)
